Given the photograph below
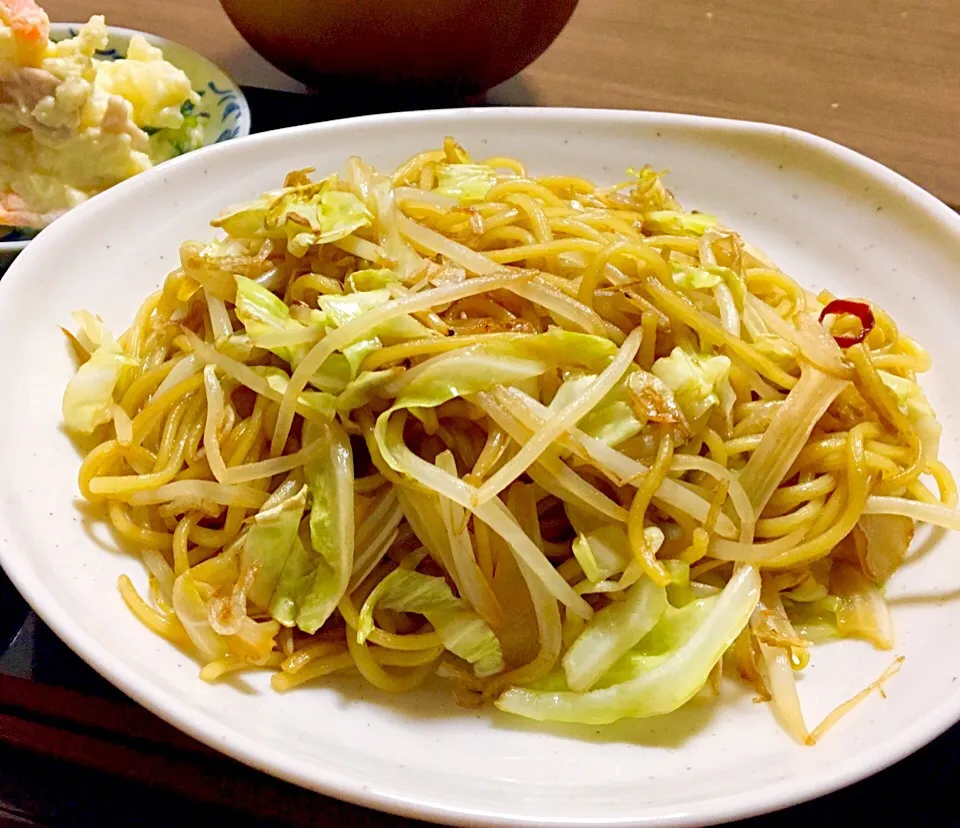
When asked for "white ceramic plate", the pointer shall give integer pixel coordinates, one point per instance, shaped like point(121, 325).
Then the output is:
point(829, 216)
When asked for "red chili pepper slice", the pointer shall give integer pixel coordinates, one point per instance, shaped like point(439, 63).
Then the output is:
point(861, 310)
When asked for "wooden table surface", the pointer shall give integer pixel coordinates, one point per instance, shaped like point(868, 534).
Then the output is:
point(882, 76)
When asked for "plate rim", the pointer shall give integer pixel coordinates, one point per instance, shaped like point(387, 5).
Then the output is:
point(331, 782)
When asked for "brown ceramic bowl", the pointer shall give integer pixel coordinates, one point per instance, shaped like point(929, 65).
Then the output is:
point(462, 46)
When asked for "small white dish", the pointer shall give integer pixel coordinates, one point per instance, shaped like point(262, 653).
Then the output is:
point(223, 109)
point(827, 215)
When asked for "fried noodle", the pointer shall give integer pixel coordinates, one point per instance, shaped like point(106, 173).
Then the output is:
point(463, 421)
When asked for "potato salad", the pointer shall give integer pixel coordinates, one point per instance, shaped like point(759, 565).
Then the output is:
point(74, 121)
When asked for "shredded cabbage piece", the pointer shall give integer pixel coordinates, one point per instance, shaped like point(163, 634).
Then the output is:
point(305, 215)
point(612, 632)
point(88, 399)
point(462, 631)
point(270, 540)
point(467, 182)
point(695, 380)
point(667, 685)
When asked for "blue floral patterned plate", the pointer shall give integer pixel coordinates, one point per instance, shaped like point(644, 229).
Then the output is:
point(222, 110)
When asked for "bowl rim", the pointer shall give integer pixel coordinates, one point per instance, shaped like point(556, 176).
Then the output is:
point(243, 123)
point(928, 724)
